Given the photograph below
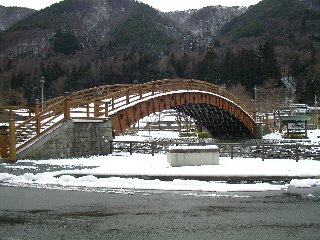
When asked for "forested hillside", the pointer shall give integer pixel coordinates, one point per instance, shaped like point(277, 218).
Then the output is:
point(78, 44)
point(292, 27)
point(11, 15)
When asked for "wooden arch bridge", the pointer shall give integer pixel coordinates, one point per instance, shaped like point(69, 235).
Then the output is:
point(214, 108)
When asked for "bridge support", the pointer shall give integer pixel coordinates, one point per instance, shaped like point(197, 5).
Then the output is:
point(74, 138)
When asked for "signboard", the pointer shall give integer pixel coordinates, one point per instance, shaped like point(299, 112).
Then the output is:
point(296, 126)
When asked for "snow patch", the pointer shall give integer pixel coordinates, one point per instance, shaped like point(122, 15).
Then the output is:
point(304, 183)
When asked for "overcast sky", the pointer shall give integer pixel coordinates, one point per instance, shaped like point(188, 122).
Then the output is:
point(162, 5)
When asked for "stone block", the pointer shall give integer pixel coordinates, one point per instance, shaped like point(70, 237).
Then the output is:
point(179, 156)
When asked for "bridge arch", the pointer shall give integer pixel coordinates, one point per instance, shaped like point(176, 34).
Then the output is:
point(216, 109)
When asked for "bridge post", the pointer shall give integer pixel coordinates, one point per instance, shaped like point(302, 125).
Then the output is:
point(12, 141)
point(11, 114)
point(163, 89)
point(127, 96)
point(88, 109)
point(67, 108)
point(4, 136)
point(140, 92)
point(106, 114)
point(36, 112)
point(112, 103)
point(96, 107)
point(99, 105)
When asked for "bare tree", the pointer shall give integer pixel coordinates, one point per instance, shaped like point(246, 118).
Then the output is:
point(273, 99)
point(240, 92)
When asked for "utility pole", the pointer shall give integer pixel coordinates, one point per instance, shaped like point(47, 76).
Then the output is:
point(256, 98)
point(42, 92)
point(315, 109)
point(255, 94)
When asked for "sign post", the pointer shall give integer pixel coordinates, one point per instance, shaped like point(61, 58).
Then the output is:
point(297, 127)
point(296, 124)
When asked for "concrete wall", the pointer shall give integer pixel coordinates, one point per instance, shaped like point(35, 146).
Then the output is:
point(72, 139)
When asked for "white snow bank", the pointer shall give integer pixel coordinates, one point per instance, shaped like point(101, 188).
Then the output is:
point(96, 169)
point(134, 183)
point(313, 136)
point(143, 164)
point(304, 183)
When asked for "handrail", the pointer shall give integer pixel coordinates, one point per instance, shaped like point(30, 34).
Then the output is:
point(90, 93)
point(162, 86)
point(35, 121)
point(16, 111)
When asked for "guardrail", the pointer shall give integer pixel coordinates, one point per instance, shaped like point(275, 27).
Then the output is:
point(264, 151)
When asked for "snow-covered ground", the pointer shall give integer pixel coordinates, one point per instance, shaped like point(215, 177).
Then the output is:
point(107, 172)
point(313, 136)
point(129, 172)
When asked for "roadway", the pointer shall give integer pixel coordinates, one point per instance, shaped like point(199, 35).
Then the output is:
point(30, 213)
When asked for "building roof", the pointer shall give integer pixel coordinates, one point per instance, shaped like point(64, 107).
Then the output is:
point(297, 118)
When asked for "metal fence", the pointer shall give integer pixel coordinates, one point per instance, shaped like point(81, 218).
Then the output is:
point(264, 151)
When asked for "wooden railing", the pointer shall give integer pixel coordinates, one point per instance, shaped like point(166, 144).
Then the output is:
point(232, 150)
point(136, 93)
point(99, 102)
point(15, 112)
point(90, 93)
point(121, 95)
point(56, 114)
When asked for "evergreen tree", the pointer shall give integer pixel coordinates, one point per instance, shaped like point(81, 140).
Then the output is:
point(230, 68)
point(65, 42)
point(249, 69)
point(17, 81)
point(208, 67)
point(147, 68)
point(269, 64)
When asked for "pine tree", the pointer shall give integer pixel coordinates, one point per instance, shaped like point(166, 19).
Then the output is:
point(65, 41)
point(208, 67)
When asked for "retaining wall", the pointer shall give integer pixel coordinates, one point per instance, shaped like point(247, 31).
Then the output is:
point(72, 139)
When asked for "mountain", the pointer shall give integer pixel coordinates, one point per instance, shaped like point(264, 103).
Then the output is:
point(113, 24)
point(288, 22)
point(77, 44)
point(94, 23)
point(11, 15)
point(292, 29)
point(207, 22)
